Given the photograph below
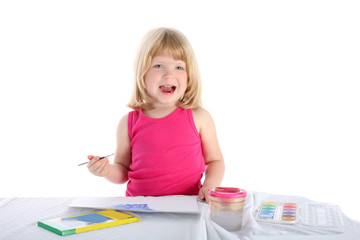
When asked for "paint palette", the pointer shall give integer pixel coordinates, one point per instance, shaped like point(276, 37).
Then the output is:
point(278, 212)
point(321, 215)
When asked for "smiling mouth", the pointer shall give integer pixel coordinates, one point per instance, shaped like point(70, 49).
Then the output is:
point(167, 89)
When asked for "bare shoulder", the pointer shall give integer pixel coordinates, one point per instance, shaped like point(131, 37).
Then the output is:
point(122, 129)
point(123, 121)
point(201, 114)
point(202, 118)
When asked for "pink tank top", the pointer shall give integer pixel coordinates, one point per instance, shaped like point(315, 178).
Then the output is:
point(166, 154)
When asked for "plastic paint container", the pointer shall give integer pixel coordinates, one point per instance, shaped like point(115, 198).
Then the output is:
point(227, 207)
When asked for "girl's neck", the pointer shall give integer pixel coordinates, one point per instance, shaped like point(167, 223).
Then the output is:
point(160, 112)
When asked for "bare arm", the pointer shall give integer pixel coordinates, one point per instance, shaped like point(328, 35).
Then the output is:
point(118, 171)
point(213, 157)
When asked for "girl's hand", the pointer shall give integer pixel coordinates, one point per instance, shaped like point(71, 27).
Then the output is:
point(98, 167)
point(203, 194)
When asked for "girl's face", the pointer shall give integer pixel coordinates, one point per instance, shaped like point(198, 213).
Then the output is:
point(166, 81)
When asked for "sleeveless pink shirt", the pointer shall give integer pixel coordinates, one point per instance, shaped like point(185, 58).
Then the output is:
point(166, 155)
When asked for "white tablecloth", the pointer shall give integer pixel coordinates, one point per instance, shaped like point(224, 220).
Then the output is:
point(19, 217)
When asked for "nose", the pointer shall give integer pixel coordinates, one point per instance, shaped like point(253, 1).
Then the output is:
point(168, 73)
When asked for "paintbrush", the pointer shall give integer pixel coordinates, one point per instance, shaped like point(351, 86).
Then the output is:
point(100, 158)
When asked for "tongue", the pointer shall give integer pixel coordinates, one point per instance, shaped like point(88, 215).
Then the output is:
point(166, 88)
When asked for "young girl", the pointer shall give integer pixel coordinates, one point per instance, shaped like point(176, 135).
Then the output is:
point(168, 141)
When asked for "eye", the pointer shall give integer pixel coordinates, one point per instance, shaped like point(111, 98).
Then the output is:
point(158, 66)
point(179, 68)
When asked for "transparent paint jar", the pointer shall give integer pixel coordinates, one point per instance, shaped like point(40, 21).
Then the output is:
point(227, 207)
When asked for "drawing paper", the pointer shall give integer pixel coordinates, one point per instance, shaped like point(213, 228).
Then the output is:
point(174, 204)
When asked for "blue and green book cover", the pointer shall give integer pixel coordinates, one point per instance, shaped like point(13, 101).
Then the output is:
point(87, 222)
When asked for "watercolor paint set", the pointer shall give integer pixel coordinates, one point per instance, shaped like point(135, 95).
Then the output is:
point(278, 212)
point(311, 213)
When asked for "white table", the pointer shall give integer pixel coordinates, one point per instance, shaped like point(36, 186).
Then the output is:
point(19, 217)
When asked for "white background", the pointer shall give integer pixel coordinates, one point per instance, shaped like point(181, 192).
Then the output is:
point(280, 78)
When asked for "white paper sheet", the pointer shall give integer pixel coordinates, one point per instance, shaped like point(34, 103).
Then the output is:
point(174, 204)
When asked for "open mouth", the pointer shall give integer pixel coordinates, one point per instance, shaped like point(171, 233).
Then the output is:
point(167, 89)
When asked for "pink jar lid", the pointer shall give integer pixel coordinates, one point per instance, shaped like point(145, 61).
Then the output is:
point(227, 192)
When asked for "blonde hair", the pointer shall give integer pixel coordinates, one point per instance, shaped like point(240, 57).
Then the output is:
point(172, 42)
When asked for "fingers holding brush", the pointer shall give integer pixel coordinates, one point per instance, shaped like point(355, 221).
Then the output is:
point(98, 166)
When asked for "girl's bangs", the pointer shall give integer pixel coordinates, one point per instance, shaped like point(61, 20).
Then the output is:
point(170, 46)
point(176, 53)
